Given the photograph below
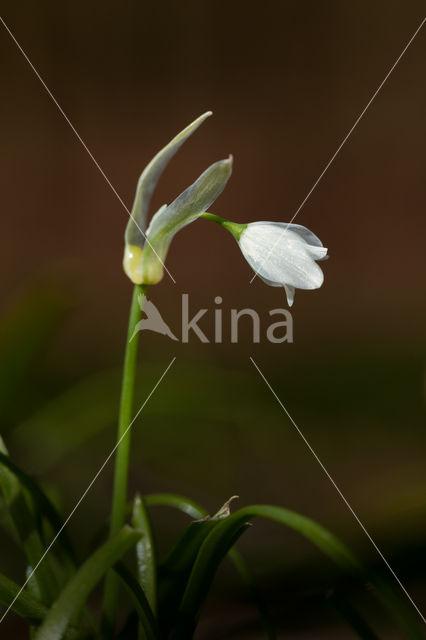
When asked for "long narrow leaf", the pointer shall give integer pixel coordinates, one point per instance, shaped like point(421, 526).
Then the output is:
point(6, 522)
point(79, 587)
point(175, 570)
point(140, 600)
point(184, 504)
point(201, 578)
point(206, 564)
point(29, 608)
point(26, 528)
point(194, 510)
point(25, 605)
point(43, 504)
point(145, 552)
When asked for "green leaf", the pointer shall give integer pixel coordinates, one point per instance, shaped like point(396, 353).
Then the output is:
point(210, 552)
point(30, 608)
point(149, 179)
point(25, 524)
point(6, 522)
point(75, 593)
point(194, 510)
point(186, 505)
point(208, 560)
point(25, 605)
point(44, 506)
point(140, 601)
point(185, 209)
point(145, 552)
point(176, 569)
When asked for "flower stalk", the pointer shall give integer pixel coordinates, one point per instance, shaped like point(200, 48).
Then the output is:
point(121, 469)
point(234, 228)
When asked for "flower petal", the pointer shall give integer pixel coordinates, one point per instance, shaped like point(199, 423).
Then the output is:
point(289, 290)
point(304, 233)
point(280, 255)
point(290, 294)
point(317, 253)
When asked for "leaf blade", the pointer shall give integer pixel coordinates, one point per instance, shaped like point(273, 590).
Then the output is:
point(25, 525)
point(329, 544)
point(73, 596)
point(196, 511)
point(44, 504)
point(145, 552)
point(24, 605)
point(140, 600)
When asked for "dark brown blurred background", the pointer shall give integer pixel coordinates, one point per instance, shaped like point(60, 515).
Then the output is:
point(286, 82)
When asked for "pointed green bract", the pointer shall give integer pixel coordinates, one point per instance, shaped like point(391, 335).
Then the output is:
point(148, 180)
point(145, 253)
point(185, 209)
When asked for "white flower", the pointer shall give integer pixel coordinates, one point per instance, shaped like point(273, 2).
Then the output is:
point(284, 255)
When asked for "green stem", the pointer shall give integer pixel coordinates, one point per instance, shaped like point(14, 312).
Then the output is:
point(235, 228)
point(121, 469)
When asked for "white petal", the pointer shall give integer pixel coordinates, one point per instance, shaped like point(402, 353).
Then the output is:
point(280, 255)
point(270, 283)
point(316, 248)
point(290, 294)
point(317, 253)
point(304, 233)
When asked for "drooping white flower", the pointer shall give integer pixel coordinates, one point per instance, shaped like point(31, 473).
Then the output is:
point(283, 255)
